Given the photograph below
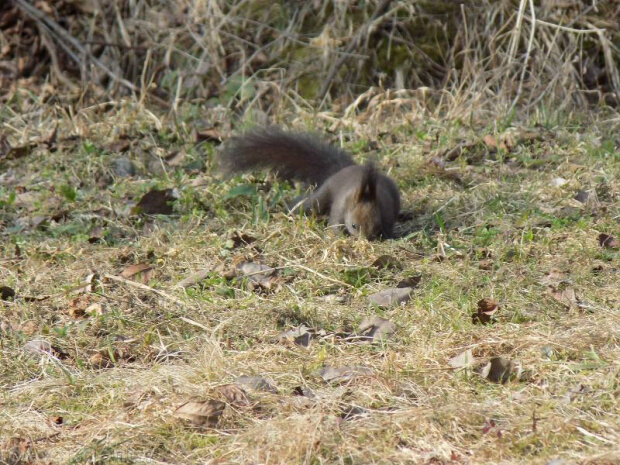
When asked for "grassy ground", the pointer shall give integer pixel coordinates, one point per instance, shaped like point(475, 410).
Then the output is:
point(115, 360)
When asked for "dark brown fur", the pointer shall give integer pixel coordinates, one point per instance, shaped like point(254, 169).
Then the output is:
point(364, 201)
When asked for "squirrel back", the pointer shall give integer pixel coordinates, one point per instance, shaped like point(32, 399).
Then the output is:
point(295, 156)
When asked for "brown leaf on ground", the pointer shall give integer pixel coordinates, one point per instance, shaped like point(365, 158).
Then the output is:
point(554, 278)
point(194, 278)
point(240, 239)
point(411, 281)
point(94, 309)
point(391, 296)
point(96, 235)
point(201, 412)
point(106, 358)
point(258, 274)
point(501, 141)
point(462, 360)
point(387, 261)
point(455, 152)
point(175, 158)
point(565, 295)
point(99, 360)
point(211, 134)
point(122, 144)
point(5, 146)
point(7, 293)
point(490, 142)
point(18, 450)
point(340, 375)
point(607, 241)
point(38, 347)
point(303, 391)
point(87, 286)
point(140, 272)
point(233, 395)
point(500, 370)
point(256, 383)
point(13, 152)
point(301, 336)
point(376, 329)
point(486, 309)
point(157, 202)
point(77, 307)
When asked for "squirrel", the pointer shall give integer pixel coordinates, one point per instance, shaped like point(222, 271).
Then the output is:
point(357, 196)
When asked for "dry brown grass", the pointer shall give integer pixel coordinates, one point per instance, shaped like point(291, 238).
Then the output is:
point(476, 60)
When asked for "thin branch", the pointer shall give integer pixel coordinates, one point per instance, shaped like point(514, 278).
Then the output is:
point(144, 287)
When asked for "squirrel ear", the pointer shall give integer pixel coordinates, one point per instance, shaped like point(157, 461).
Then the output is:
point(368, 187)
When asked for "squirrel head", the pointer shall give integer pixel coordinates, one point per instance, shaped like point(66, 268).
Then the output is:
point(363, 215)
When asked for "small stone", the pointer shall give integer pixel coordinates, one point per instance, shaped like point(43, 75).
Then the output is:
point(124, 167)
point(389, 297)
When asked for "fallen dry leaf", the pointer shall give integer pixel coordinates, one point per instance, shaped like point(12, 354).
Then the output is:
point(486, 309)
point(342, 374)
point(121, 145)
point(410, 282)
point(490, 142)
point(607, 241)
point(303, 391)
point(388, 262)
point(157, 202)
point(351, 412)
point(500, 370)
point(239, 239)
point(554, 277)
point(77, 306)
point(95, 309)
point(391, 296)
point(557, 182)
point(565, 295)
point(258, 275)
point(7, 293)
point(176, 158)
point(233, 395)
point(256, 383)
point(11, 153)
point(87, 286)
point(301, 335)
point(38, 347)
point(201, 412)
point(141, 272)
point(462, 360)
point(194, 278)
point(211, 134)
point(376, 329)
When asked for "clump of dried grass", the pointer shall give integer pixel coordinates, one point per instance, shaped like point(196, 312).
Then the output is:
point(491, 57)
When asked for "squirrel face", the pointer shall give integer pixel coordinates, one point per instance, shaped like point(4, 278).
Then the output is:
point(362, 215)
point(364, 219)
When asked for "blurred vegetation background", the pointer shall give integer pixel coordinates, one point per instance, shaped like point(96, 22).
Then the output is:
point(463, 59)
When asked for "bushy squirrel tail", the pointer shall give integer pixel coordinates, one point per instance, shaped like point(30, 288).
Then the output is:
point(295, 156)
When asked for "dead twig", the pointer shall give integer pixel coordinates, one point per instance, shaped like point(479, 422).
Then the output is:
point(144, 287)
